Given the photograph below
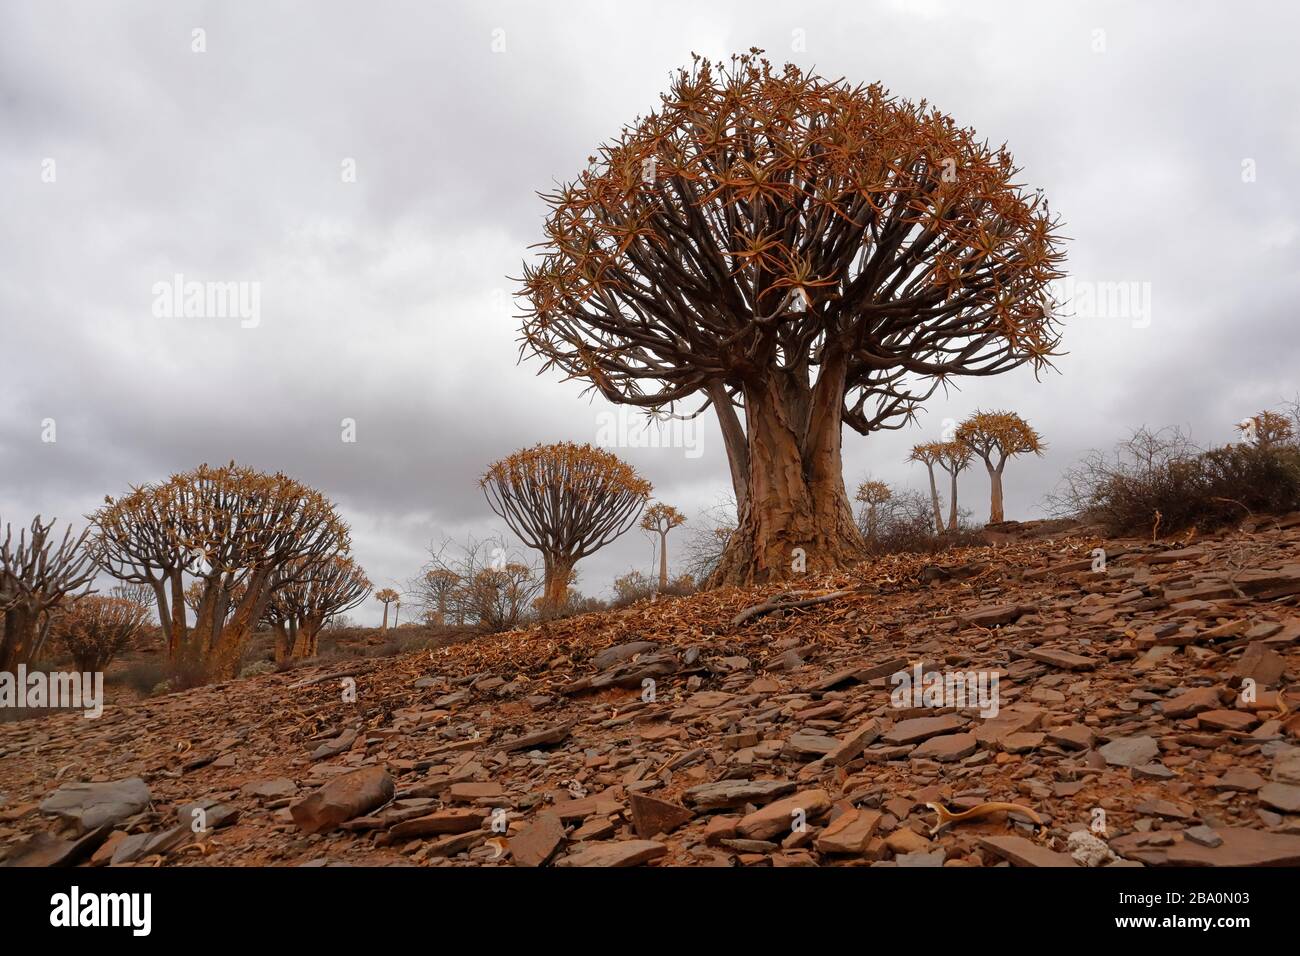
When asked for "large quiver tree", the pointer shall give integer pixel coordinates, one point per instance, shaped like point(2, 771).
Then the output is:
point(798, 253)
point(567, 501)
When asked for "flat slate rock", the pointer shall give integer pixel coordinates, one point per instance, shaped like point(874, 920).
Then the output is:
point(615, 853)
point(1281, 796)
point(778, 819)
point(90, 806)
point(1059, 658)
point(849, 833)
point(538, 842)
point(993, 615)
point(651, 816)
point(42, 849)
point(919, 729)
point(546, 737)
point(619, 653)
point(1129, 751)
point(727, 794)
point(850, 747)
point(947, 748)
point(1022, 852)
point(1240, 846)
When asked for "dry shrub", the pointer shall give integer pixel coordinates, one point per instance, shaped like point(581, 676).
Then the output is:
point(94, 629)
point(637, 586)
point(143, 677)
point(901, 521)
point(480, 584)
point(1158, 481)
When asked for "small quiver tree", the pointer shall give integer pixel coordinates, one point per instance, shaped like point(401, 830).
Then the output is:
point(567, 501)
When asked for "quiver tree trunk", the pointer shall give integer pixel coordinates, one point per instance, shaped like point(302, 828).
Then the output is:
point(995, 495)
point(558, 575)
point(307, 640)
point(796, 518)
point(23, 635)
point(934, 500)
point(286, 639)
point(663, 560)
point(952, 508)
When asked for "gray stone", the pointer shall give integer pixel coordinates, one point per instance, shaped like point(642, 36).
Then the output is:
point(621, 652)
point(1281, 796)
point(1203, 835)
point(92, 805)
point(1129, 751)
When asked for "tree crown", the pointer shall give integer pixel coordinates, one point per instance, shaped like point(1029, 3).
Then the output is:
point(662, 518)
point(1000, 433)
point(1270, 427)
point(565, 499)
point(767, 218)
point(874, 492)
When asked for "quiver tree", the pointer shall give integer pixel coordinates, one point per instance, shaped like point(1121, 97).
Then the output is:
point(95, 628)
point(798, 254)
point(994, 437)
point(36, 578)
point(659, 519)
point(954, 457)
point(235, 532)
point(872, 494)
point(566, 501)
point(499, 597)
point(311, 597)
point(386, 597)
point(1266, 429)
point(927, 454)
point(438, 587)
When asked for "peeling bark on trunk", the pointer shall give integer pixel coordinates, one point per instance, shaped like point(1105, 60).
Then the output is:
point(283, 642)
point(307, 639)
point(558, 573)
point(227, 650)
point(796, 518)
point(178, 626)
point(19, 639)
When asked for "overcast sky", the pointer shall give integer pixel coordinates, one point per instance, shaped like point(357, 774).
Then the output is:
point(1166, 135)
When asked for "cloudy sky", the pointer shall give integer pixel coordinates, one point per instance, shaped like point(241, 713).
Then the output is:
point(374, 168)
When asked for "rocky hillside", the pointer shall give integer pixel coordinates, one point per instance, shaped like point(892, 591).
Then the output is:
point(1142, 719)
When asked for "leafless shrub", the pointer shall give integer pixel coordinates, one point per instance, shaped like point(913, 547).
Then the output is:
point(480, 584)
point(706, 539)
point(1160, 481)
point(94, 629)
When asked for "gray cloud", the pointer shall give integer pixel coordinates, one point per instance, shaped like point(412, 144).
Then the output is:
point(386, 300)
